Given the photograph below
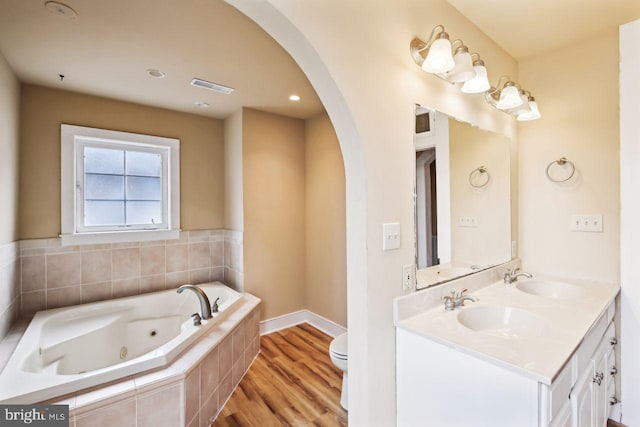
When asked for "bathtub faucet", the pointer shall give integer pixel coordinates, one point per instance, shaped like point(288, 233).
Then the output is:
point(205, 305)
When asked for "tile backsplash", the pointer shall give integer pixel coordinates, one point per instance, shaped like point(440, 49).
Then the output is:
point(52, 275)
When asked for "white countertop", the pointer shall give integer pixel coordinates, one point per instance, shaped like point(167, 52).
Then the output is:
point(539, 353)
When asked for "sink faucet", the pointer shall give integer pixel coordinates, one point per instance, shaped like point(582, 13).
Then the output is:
point(511, 276)
point(205, 305)
point(456, 299)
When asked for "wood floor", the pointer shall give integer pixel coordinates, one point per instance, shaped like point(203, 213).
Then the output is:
point(291, 383)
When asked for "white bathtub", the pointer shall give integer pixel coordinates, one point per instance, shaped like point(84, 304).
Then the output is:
point(72, 348)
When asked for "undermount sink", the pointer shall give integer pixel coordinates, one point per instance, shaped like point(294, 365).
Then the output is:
point(551, 289)
point(503, 322)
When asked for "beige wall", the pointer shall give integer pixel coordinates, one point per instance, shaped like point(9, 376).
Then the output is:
point(9, 125)
point(325, 224)
point(42, 110)
point(489, 242)
point(577, 91)
point(274, 202)
point(233, 214)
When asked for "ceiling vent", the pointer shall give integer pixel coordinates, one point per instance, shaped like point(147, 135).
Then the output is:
point(212, 86)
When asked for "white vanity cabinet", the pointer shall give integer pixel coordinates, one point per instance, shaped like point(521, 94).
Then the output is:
point(443, 385)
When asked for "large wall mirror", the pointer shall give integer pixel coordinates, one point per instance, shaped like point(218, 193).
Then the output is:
point(462, 198)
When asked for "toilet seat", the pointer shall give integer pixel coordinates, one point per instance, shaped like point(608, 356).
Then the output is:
point(339, 347)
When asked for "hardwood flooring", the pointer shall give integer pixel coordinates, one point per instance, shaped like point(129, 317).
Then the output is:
point(291, 383)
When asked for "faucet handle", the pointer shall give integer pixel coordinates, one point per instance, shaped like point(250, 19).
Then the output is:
point(215, 308)
point(459, 294)
point(197, 320)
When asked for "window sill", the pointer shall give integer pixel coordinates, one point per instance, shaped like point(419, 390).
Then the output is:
point(118, 237)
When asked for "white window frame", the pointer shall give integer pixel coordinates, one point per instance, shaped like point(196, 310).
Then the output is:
point(73, 139)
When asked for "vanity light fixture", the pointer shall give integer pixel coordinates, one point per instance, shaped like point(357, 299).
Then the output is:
point(480, 83)
point(532, 114)
point(463, 70)
point(435, 57)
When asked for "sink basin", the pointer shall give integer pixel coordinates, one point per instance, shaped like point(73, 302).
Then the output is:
point(551, 289)
point(503, 322)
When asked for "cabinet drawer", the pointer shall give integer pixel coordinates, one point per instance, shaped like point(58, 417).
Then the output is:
point(556, 396)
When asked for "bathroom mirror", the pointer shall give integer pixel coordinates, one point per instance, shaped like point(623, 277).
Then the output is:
point(462, 198)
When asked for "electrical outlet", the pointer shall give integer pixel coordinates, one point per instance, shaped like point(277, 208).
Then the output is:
point(408, 277)
point(588, 223)
point(468, 221)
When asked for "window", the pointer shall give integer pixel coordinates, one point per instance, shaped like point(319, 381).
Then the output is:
point(118, 186)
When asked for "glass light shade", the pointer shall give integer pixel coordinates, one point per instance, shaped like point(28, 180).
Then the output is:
point(532, 114)
point(478, 84)
point(439, 59)
point(463, 69)
point(522, 108)
point(509, 98)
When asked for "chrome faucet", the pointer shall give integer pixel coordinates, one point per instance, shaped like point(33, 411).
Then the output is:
point(511, 276)
point(456, 299)
point(205, 305)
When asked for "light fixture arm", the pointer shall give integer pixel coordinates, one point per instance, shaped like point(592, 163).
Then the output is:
point(497, 86)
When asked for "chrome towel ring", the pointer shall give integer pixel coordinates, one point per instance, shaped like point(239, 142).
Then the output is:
point(482, 175)
point(566, 164)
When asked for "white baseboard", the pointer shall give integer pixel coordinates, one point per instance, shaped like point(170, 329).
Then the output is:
point(297, 317)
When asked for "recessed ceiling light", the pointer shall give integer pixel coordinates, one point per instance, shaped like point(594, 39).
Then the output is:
point(294, 97)
point(201, 104)
point(156, 73)
point(61, 9)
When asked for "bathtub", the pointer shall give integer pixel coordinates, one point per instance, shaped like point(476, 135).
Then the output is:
point(69, 349)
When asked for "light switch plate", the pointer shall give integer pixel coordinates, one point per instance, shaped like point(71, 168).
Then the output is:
point(390, 236)
point(468, 221)
point(589, 223)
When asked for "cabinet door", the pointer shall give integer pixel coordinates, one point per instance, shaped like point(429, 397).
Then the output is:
point(600, 395)
point(581, 398)
point(563, 418)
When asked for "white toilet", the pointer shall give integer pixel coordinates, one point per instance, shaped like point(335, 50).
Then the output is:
point(338, 351)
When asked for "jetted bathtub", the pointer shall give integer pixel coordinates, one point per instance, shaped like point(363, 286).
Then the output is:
point(72, 348)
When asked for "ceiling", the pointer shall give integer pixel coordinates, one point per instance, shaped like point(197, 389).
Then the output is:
point(108, 47)
point(526, 28)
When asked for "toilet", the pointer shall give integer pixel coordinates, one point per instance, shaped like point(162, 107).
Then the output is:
point(338, 351)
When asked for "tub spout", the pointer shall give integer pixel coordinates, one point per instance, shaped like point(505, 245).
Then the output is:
point(205, 305)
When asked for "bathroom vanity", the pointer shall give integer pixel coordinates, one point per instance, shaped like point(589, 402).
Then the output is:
point(536, 352)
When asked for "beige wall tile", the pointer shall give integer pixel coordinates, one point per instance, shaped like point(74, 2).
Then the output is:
point(176, 258)
point(33, 277)
point(122, 414)
point(33, 302)
point(216, 274)
point(125, 263)
point(63, 270)
point(174, 280)
point(217, 253)
point(63, 297)
point(125, 287)
point(96, 292)
point(238, 341)
point(225, 355)
point(199, 256)
point(209, 410)
point(192, 394)
point(152, 283)
point(161, 408)
point(226, 387)
point(152, 260)
point(209, 376)
point(199, 276)
point(96, 266)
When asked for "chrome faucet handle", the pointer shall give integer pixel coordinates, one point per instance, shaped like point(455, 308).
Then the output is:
point(459, 294)
point(215, 308)
point(197, 320)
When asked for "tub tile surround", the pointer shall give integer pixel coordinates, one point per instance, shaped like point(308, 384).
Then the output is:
point(10, 298)
point(189, 392)
point(49, 275)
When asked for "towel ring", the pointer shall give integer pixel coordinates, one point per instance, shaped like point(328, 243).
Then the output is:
point(561, 162)
point(479, 171)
